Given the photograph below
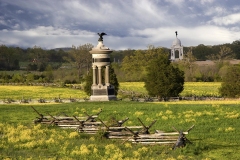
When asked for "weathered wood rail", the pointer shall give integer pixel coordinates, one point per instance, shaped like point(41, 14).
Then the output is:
point(92, 124)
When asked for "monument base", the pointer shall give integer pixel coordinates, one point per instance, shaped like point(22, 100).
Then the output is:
point(103, 98)
point(102, 93)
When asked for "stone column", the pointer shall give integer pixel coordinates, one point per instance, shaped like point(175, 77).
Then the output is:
point(107, 75)
point(94, 75)
point(99, 75)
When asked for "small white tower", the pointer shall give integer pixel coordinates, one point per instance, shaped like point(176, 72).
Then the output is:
point(176, 50)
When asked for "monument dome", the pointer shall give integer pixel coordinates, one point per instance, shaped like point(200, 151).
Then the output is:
point(176, 42)
point(176, 49)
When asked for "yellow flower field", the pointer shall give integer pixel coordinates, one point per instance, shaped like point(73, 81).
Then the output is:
point(215, 135)
point(190, 88)
point(37, 92)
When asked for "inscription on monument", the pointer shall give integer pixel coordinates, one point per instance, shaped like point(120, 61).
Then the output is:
point(99, 92)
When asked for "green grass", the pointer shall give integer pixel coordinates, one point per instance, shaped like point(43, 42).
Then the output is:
point(215, 135)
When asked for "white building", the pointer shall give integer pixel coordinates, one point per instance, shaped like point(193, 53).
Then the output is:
point(176, 50)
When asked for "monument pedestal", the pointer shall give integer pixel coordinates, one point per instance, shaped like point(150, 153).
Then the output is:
point(102, 93)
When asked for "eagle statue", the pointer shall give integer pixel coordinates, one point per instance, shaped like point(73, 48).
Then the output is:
point(101, 36)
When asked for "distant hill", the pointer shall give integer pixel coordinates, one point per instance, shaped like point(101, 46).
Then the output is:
point(64, 49)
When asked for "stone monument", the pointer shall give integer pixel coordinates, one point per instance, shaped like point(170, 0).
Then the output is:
point(176, 49)
point(101, 91)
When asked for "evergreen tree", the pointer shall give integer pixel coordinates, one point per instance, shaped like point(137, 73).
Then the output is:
point(163, 79)
point(230, 86)
point(113, 79)
point(88, 82)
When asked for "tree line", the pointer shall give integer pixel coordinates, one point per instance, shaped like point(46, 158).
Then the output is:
point(150, 65)
point(74, 64)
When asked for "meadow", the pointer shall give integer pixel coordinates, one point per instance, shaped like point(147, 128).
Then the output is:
point(190, 88)
point(37, 92)
point(215, 135)
point(127, 88)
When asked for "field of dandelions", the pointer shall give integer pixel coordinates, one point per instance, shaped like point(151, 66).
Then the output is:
point(127, 88)
point(215, 135)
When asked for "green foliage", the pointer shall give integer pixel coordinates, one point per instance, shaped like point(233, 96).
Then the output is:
point(88, 82)
point(235, 46)
point(134, 66)
point(187, 65)
point(81, 58)
point(129, 66)
point(225, 53)
point(17, 78)
point(163, 79)
point(117, 56)
point(30, 78)
point(9, 58)
point(231, 82)
point(201, 51)
point(35, 58)
point(113, 79)
point(48, 73)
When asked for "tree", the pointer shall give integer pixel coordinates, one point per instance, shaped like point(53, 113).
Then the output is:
point(235, 46)
point(37, 56)
point(230, 86)
point(48, 73)
point(163, 79)
point(81, 58)
point(201, 51)
point(187, 65)
point(112, 79)
point(225, 53)
point(134, 66)
point(9, 58)
point(17, 78)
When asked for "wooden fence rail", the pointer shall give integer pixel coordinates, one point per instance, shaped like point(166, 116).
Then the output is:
point(92, 124)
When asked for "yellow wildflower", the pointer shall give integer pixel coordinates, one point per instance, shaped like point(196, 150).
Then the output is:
point(168, 112)
point(229, 129)
point(73, 135)
point(138, 113)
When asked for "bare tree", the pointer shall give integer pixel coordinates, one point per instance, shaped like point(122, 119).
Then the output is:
point(225, 53)
point(189, 63)
point(81, 58)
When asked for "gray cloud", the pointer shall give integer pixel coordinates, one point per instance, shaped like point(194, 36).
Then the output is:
point(129, 24)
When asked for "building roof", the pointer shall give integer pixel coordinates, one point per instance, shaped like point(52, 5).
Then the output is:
point(176, 42)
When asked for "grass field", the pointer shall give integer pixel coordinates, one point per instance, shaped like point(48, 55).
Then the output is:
point(37, 92)
point(190, 88)
point(215, 135)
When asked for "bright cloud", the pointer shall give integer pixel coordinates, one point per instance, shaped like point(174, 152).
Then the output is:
point(227, 20)
point(129, 24)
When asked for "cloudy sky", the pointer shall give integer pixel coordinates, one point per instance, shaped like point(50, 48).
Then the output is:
point(129, 24)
